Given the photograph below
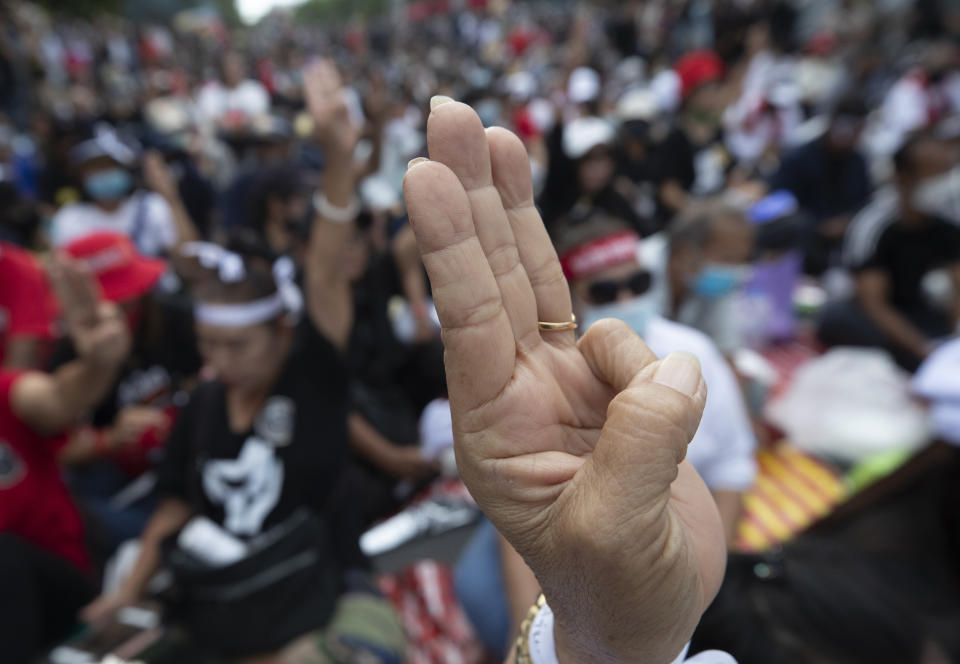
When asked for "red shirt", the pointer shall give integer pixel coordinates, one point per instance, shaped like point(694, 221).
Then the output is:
point(34, 501)
point(25, 299)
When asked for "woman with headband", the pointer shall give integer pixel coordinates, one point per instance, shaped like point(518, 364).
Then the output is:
point(252, 524)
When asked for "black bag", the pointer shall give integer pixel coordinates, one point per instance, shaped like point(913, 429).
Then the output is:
point(285, 587)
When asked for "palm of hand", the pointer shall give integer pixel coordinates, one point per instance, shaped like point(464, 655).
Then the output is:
point(573, 449)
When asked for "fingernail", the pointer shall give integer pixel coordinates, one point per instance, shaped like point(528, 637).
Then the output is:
point(679, 371)
point(415, 161)
point(439, 100)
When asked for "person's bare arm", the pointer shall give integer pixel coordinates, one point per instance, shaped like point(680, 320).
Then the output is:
point(329, 297)
point(50, 403)
point(397, 460)
point(955, 306)
point(23, 353)
point(872, 287)
point(730, 506)
point(673, 195)
point(413, 280)
point(159, 178)
point(169, 516)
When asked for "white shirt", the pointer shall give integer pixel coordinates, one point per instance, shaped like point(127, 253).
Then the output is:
point(215, 101)
point(158, 230)
point(723, 447)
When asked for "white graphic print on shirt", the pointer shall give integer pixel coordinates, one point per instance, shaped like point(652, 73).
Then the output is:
point(248, 487)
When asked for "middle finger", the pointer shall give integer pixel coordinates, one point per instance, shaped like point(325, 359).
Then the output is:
point(455, 137)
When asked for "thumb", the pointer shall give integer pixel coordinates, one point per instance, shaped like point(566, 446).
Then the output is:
point(650, 421)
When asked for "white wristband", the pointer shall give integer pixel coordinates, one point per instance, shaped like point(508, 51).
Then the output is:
point(339, 215)
point(543, 649)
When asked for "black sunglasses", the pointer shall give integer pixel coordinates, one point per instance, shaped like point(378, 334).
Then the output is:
point(606, 291)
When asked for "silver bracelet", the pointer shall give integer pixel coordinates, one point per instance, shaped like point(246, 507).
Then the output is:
point(331, 212)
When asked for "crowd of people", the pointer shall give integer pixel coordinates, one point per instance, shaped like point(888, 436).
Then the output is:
point(218, 339)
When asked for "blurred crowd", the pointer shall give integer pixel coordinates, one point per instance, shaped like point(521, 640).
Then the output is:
point(730, 178)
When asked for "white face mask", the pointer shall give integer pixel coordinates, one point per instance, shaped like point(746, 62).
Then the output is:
point(939, 195)
point(635, 312)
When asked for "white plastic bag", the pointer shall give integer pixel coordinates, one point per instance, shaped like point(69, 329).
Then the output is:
point(849, 404)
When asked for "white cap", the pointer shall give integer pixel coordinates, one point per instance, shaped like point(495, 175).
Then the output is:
point(377, 193)
point(584, 85)
point(638, 104)
point(666, 86)
point(584, 134)
point(520, 85)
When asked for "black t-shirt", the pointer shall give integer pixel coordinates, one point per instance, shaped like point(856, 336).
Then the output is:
point(826, 184)
point(292, 456)
point(701, 169)
point(164, 355)
point(907, 253)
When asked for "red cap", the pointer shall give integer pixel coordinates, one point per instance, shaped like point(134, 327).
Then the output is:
point(697, 68)
point(123, 273)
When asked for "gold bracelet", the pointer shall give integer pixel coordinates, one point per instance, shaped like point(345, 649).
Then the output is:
point(523, 641)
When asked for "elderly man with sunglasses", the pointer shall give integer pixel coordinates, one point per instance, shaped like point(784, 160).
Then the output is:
point(599, 256)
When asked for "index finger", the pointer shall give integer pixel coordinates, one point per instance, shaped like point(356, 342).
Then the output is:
point(479, 347)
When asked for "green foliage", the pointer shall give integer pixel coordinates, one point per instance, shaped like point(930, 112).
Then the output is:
point(85, 8)
point(327, 11)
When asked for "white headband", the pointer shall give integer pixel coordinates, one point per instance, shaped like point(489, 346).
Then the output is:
point(240, 315)
point(230, 268)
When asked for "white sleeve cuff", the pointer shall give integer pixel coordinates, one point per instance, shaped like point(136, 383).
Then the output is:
point(543, 650)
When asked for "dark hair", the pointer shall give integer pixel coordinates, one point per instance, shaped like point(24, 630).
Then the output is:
point(852, 104)
point(281, 182)
point(813, 603)
point(694, 226)
point(574, 230)
point(903, 159)
point(257, 283)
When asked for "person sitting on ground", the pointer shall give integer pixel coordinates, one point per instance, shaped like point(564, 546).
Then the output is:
point(891, 308)
point(44, 564)
point(156, 220)
point(257, 457)
point(829, 178)
point(709, 247)
point(112, 449)
point(573, 449)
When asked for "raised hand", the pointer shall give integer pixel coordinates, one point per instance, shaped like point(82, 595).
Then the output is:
point(573, 449)
point(327, 104)
point(97, 328)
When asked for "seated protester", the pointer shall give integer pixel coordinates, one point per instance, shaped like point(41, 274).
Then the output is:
point(395, 372)
point(890, 309)
point(278, 209)
point(588, 180)
point(706, 267)
point(25, 309)
point(829, 178)
point(44, 565)
point(599, 259)
point(232, 101)
point(130, 423)
point(257, 456)
point(692, 159)
point(155, 220)
point(637, 163)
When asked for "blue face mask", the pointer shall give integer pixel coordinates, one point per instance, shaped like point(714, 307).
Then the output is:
point(716, 280)
point(635, 312)
point(109, 184)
